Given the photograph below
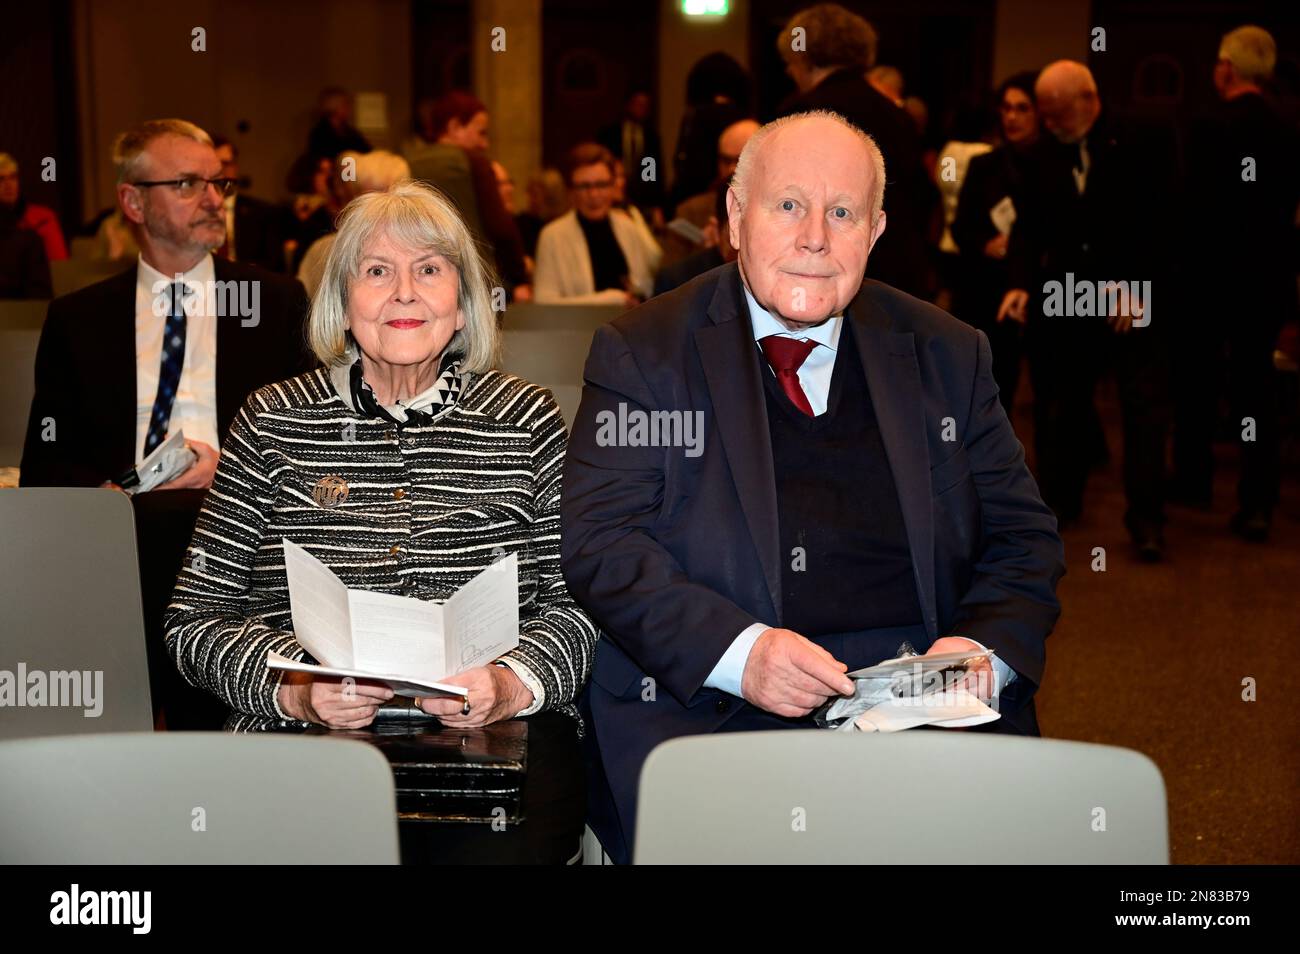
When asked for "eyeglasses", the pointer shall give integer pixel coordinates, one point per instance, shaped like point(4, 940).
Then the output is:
point(190, 186)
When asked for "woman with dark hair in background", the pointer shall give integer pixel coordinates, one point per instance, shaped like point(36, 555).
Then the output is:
point(982, 224)
point(313, 207)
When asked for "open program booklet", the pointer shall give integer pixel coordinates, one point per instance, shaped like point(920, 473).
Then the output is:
point(910, 691)
point(408, 644)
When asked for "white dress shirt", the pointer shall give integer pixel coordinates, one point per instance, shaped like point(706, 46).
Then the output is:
point(195, 408)
point(815, 379)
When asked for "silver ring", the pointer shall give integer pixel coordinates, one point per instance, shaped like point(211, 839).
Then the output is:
point(464, 709)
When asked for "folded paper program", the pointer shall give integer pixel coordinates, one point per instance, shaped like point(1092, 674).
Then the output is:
point(411, 645)
point(908, 692)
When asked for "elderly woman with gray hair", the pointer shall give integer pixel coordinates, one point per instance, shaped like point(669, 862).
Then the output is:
point(406, 464)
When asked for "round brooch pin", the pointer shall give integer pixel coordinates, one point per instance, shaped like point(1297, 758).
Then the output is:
point(330, 492)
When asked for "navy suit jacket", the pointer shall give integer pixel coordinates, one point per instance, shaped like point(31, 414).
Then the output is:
point(675, 555)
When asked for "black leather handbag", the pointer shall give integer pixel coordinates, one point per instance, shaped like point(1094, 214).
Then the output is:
point(444, 774)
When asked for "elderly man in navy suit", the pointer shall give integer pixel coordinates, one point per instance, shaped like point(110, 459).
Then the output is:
point(780, 473)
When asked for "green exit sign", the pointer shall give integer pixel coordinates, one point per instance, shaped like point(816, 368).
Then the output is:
point(704, 8)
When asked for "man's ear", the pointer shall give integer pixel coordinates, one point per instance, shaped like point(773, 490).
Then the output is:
point(878, 231)
point(131, 202)
point(733, 218)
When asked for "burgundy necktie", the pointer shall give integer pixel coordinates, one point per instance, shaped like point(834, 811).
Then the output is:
point(785, 355)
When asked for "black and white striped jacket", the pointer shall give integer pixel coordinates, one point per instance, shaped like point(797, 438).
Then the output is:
point(426, 508)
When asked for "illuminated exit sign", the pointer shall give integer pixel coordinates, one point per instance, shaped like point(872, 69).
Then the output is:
point(704, 8)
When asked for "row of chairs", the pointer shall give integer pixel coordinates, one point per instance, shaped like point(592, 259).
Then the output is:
point(70, 586)
point(737, 798)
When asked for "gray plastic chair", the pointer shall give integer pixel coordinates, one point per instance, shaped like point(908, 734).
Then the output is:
point(918, 797)
point(70, 592)
point(554, 359)
point(533, 317)
point(73, 274)
point(195, 798)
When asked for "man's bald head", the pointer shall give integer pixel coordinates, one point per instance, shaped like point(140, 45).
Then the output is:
point(826, 129)
point(1067, 100)
point(1064, 78)
point(804, 210)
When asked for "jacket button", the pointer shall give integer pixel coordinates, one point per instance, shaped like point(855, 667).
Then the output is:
point(722, 705)
point(399, 493)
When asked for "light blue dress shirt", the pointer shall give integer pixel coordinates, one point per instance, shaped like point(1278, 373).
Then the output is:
point(815, 379)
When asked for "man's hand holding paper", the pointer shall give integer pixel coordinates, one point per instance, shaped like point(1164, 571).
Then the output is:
point(198, 476)
point(979, 676)
point(791, 676)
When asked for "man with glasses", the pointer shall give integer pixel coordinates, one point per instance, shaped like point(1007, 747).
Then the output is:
point(176, 343)
point(593, 253)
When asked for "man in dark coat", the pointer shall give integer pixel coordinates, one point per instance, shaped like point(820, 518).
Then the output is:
point(780, 473)
point(1091, 241)
point(1241, 164)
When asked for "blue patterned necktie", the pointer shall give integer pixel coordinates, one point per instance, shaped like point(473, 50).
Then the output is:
point(169, 375)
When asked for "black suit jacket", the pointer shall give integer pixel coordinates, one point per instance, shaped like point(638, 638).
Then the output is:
point(674, 556)
point(86, 374)
point(981, 281)
point(1058, 230)
point(900, 257)
point(1258, 212)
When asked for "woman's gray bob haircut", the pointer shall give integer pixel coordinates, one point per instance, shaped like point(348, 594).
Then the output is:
point(418, 216)
point(749, 156)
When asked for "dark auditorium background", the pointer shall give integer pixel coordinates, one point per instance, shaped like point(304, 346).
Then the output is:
point(266, 63)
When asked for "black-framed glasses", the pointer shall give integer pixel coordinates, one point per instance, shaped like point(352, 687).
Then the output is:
point(190, 186)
